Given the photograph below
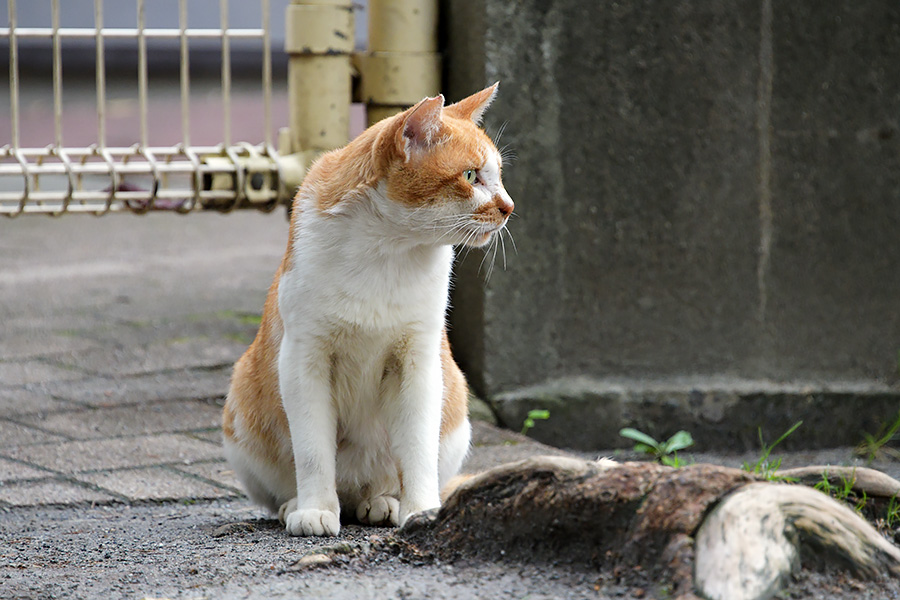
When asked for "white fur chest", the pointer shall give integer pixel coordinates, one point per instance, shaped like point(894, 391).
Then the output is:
point(348, 272)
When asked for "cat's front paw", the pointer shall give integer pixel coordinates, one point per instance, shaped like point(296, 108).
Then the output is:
point(380, 510)
point(311, 521)
point(285, 509)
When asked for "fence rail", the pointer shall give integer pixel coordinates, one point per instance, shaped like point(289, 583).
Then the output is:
point(97, 179)
point(401, 67)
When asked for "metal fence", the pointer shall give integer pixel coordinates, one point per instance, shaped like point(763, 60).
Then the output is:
point(400, 67)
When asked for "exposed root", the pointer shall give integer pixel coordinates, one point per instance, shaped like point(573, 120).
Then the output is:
point(753, 540)
point(667, 526)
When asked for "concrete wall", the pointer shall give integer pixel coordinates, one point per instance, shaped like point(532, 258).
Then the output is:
point(709, 214)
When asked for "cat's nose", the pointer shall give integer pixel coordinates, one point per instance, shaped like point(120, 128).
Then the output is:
point(504, 203)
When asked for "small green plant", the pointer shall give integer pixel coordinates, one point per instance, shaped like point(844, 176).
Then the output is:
point(844, 491)
point(861, 503)
point(537, 414)
point(892, 513)
point(875, 446)
point(664, 452)
point(764, 466)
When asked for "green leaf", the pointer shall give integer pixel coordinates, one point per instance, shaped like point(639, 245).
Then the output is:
point(679, 441)
point(644, 448)
point(539, 414)
point(639, 436)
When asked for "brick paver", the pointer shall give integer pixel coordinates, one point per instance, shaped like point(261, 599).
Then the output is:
point(112, 380)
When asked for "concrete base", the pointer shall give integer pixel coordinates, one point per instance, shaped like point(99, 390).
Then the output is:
point(724, 415)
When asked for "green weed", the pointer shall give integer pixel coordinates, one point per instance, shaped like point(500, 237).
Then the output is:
point(892, 513)
point(764, 466)
point(664, 452)
point(537, 414)
point(844, 491)
point(875, 446)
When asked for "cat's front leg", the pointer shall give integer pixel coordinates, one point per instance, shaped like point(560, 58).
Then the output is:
point(415, 425)
point(304, 378)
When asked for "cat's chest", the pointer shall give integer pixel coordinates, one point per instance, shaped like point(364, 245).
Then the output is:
point(369, 290)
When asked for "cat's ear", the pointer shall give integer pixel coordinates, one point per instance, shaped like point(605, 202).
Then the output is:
point(474, 106)
point(422, 125)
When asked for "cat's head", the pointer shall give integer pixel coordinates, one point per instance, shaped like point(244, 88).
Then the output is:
point(443, 172)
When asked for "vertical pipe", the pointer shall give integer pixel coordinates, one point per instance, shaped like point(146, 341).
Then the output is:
point(267, 75)
point(226, 72)
point(185, 74)
point(402, 65)
point(142, 75)
point(57, 75)
point(101, 75)
point(318, 40)
point(13, 76)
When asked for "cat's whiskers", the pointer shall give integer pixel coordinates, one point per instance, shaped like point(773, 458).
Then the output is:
point(507, 154)
point(511, 240)
point(493, 262)
point(456, 224)
point(500, 131)
point(451, 229)
point(487, 252)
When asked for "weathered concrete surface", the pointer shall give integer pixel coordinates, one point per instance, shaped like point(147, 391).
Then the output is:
point(704, 190)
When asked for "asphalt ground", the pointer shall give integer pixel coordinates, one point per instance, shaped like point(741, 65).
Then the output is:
point(117, 336)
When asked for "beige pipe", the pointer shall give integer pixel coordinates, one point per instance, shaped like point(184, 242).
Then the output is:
point(402, 65)
point(319, 40)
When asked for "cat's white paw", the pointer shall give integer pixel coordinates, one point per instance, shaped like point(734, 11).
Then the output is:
point(285, 509)
point(380, 510)
point(312, 521)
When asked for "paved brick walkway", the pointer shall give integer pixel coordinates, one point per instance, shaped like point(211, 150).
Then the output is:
point(117, 337)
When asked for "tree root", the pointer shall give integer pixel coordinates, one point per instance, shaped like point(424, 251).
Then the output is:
point(700, 530)
point(751, 543)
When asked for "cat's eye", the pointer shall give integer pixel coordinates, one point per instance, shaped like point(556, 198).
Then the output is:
point(470, 176)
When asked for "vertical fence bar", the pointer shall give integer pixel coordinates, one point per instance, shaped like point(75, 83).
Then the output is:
point(185, 74)
point(57, 75)
point(226, 73)
point(101, 75)
point(13, 76)
point(57, 110)
point(142, 75)
point(267, 75)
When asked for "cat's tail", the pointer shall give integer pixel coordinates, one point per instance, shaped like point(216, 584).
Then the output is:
point(454, 484)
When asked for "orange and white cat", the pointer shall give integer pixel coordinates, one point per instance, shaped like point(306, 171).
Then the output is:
point(349, 397)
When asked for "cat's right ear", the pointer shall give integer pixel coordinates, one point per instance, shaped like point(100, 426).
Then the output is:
point(422, 126)
point(474, 107)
